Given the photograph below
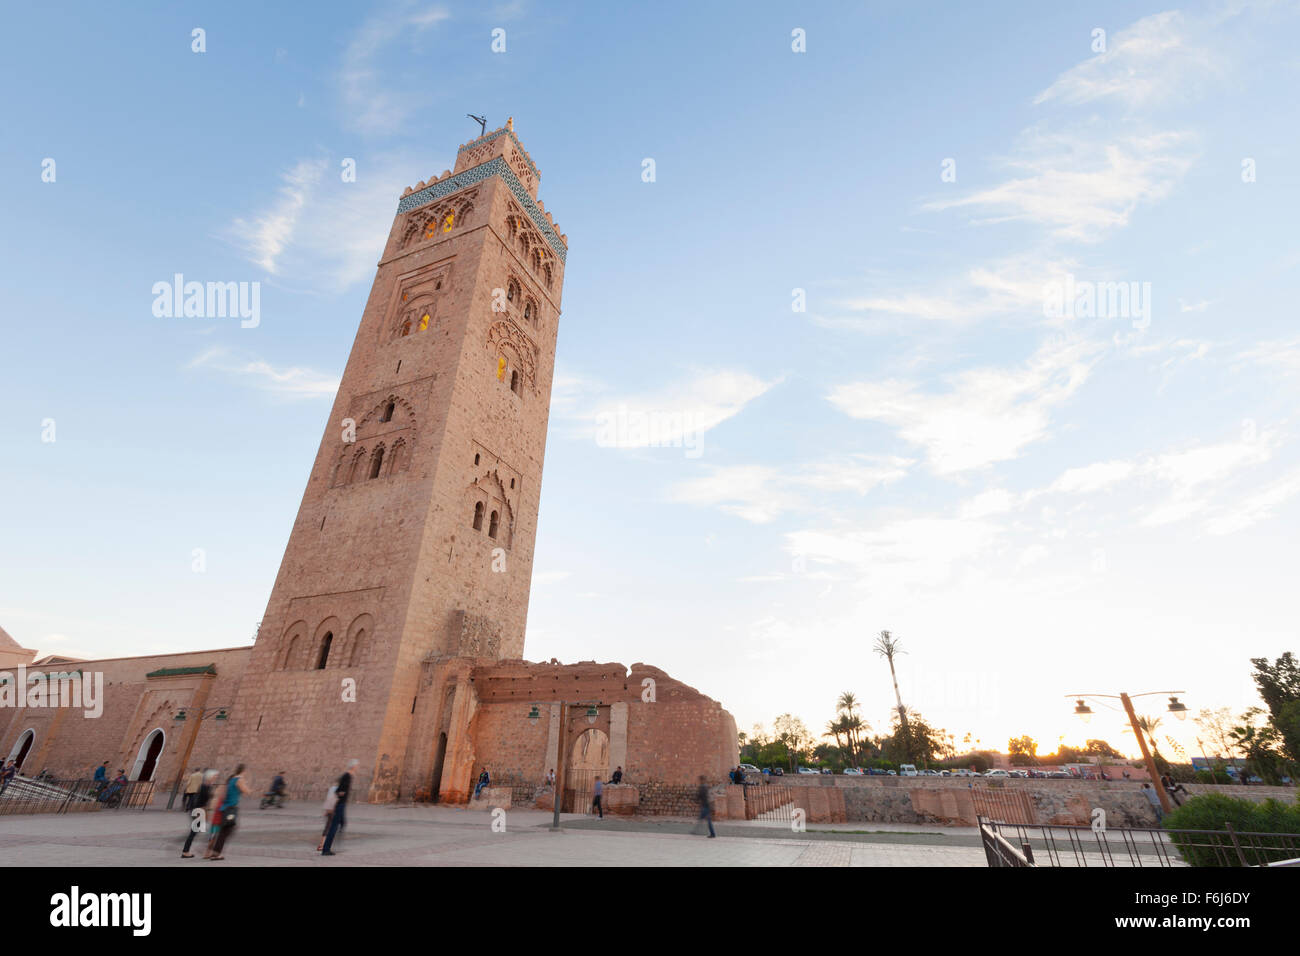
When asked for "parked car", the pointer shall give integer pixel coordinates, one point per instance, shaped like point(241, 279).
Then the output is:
point(1060, 774)
point(807, 770)
point(997, 773)
point(907, 770)
point(748, 768)
point(776, 771)
point(853, 772)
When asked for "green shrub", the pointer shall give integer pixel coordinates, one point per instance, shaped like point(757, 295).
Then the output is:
point(1215, 776)
point(1215, 811)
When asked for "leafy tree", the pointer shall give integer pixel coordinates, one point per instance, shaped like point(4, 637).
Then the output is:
point(1100, 748)
point(1023, 751)
point(1217, 726)
point(1279, 686)
point(1261, 744)
point(793, 735)
point(915, 741)
point(978, 760)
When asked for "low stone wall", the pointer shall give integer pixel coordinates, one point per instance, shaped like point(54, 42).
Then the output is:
point(957, 801)
point(490, 798)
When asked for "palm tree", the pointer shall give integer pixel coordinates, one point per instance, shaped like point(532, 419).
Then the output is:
point(887, 646)
point(833, 729)
point(848, 706)
point(1148, 726)
point(855, 726)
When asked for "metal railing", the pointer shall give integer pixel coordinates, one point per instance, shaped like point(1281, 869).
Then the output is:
point(25, 795)
point(1017, 844)
point(764, 801)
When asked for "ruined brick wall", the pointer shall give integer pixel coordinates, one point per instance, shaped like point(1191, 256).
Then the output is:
point(662, 744)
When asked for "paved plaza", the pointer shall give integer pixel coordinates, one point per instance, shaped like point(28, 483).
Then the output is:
point(450, 836)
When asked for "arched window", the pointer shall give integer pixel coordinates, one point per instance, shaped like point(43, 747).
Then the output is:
point(395, 459)
point(547, 272)
point(358, 649)
point(512, 291)
point(388, 412)
point(288, 653)
point(354, 469)
point(476, 458)
point(325, 650)
point(424, 322)
point(478, 516)
point(376, 461)
point(514, 382)
point(537, 261)
point(528, 311)
point(512, 226)
point(492, 525)
point(406, 328)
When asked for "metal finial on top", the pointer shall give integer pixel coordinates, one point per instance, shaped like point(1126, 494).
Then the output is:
point(482, 123)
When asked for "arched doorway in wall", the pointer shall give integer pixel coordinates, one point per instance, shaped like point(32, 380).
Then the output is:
point(22, 747)
point(147, 759)
point(438, 759)
point(588, 759)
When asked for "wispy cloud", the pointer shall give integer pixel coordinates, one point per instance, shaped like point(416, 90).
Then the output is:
point(265, 236)
point(372, 104)
point(677, 412)
point(1082, 183)
point(288, 382)
point(1157, 58)
point(1254, 508)
point(760, 493)
point(987, 414)
point(323, 234)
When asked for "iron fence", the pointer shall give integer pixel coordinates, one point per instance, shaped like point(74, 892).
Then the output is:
point(26, 795)
point(1018, 844)
point(769, 802)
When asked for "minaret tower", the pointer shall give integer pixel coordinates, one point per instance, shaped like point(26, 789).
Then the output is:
point(414, 539)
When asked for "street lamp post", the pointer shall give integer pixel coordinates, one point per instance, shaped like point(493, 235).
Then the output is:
point(533, 714)
point(1176, 708)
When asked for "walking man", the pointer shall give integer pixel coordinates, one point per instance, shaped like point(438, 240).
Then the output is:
point(595, 801)
point(339, 819)
point(706, 812)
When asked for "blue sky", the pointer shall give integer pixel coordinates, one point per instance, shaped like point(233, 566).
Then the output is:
point(1035, 504)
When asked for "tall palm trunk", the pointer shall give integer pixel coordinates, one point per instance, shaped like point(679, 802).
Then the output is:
point(887, 647)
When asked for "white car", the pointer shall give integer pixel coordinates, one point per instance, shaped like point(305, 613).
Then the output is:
point(853, 772)
point(806, 770)
point(997, 773)
point(907, 770)
point(748, 768)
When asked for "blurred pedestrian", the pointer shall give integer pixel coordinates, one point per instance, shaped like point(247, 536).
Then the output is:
point(204, 802)
point(339, 818)
point(236, 787)
point(1154, 797)
point(706, 812)
point(192, 785)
